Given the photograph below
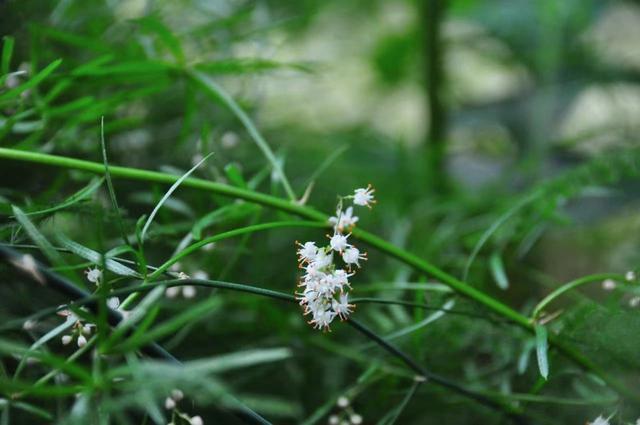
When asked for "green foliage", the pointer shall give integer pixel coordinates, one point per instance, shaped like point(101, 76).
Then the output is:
point(261, 113)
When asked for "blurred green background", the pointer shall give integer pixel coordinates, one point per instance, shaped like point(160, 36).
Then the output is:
point(500, 136)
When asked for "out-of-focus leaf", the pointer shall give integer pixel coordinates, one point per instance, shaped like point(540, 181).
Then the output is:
point(541, 350)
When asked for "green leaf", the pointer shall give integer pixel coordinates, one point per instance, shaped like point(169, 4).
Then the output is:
point(153, 24)
point(96, 257)
point(235, 175)
point(37, 237)
point(7, 52)
point(80, 195)
point(238, 360)
point(498, 272)
point(32, 82)
point(224, 214)
point(248, 65)
point(541, 350)
point(194, 313)
point(112, 192)
point(168, 194)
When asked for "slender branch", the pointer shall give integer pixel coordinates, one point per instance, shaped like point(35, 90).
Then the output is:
point(392, 349)
point(312, 214)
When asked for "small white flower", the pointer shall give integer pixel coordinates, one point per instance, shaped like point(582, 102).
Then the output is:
point(183, 276)
point(196, 420)
point(29, 325)
point(82, 341)
point(189, 291)
point(608, 284)
point(94, 275)
point(364, 197)
point(86, 329)
point(630, 276)
point(338, 242)
point(322, 319)
point(344, 219)
point(352, 256)
point(172, 292)
point(334, 420)
point(177, 395)
point(113, 303)
point(355, 419)
point(342, 308)
point(66, 339)
point(339, 279)
point(229, 140)
point(201, 275)
point(169, 403)
point(343, 402)
point(634, 302)
point(322, 260)
point(600, 421)
point(308, 251)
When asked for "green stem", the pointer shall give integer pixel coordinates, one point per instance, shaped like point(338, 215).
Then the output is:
point(312, 214)
point(225, 235)
point(422, 373)
point(572, 285)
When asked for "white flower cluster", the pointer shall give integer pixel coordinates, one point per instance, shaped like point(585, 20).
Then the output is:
point(171, 403)
point(346, 415)
point(325, 286)
point(79, 331)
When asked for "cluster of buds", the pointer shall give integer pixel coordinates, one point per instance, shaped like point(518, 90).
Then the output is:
point(346, 415)
point(171, 403)
point(79, 331)
point(325, 286)
point(187, 291)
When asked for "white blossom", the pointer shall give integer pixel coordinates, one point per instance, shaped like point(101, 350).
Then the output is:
point(364, 197)
point(322, 260)
point(322, 318)
point(355, 419)
point(201, 275)
point(94, 275)
point(334, 420)
point(307, 251)
point(343, 402)
point(324, 287)
point(608, 284)
point(352, 256)
point(66, 339)
point(634, 302)
point(188, 291)
point(600, 421)
point(113, 303)
point(169, 403)
point(172, 292)
point(82, 341)
point(196, 420)
point(344, 219)
point(342, 307)
point(338, 242)
point(630, 275)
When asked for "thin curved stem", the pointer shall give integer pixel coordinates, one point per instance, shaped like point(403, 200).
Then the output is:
point(572, 285)
point(312, 214)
